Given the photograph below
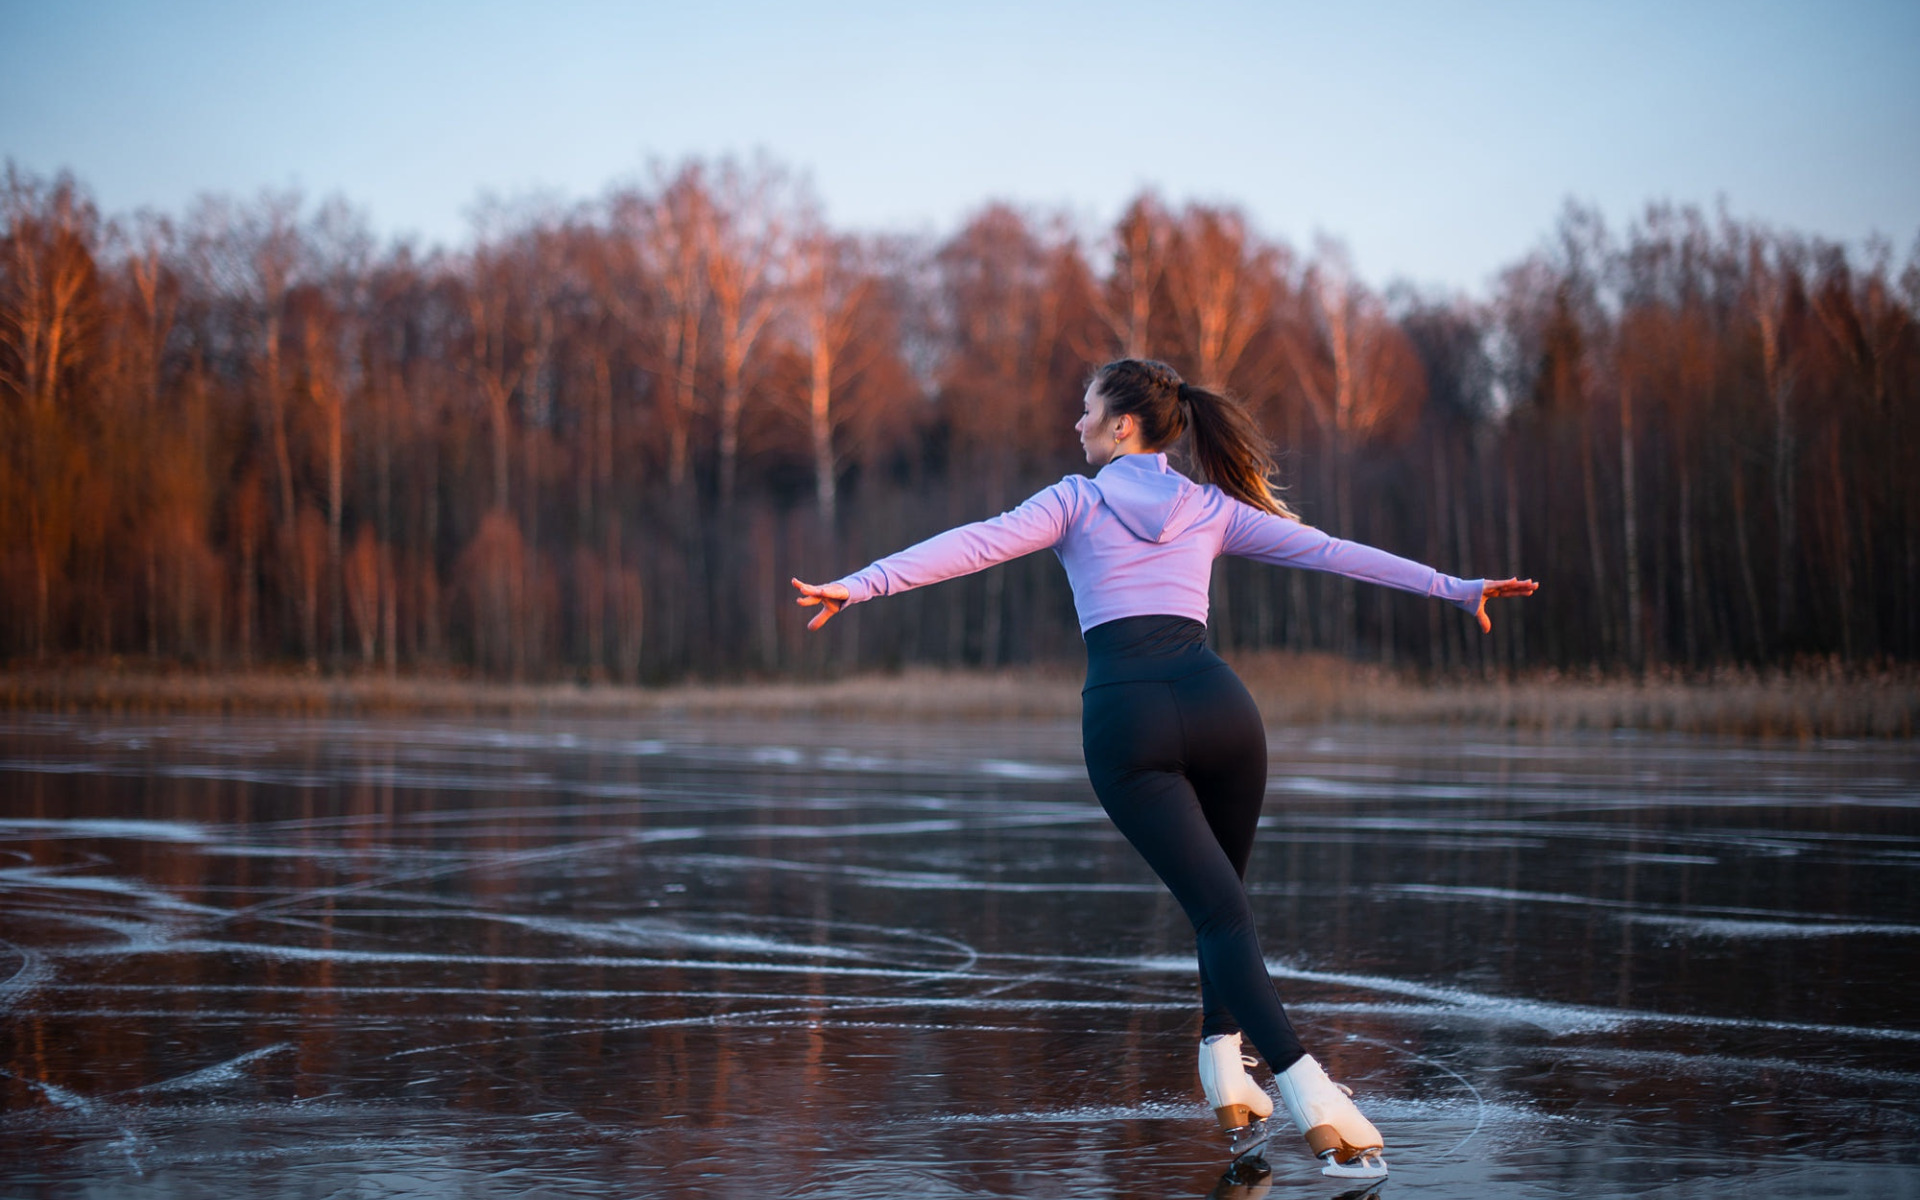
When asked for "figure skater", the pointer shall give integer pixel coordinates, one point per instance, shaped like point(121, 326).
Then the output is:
point(1175, 748)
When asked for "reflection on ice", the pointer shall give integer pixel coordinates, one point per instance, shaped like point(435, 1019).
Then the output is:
point(274, 957)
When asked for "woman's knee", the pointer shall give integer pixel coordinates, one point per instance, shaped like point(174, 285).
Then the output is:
point(1229, 916)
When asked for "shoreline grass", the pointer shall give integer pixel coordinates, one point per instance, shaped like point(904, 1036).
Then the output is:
point(1291, 689)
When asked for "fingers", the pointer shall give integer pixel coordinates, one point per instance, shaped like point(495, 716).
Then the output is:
point(814, 593)
point(828, 598)
point(828, 607)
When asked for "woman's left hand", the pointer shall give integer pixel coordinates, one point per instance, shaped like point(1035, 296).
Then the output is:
point(831, 597)
point(1497, 589)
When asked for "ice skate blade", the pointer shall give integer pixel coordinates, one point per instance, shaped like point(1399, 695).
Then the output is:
point(1249, 1140)
point(1368, 1164)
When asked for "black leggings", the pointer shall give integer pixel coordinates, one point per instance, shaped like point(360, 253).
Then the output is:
point(1177, 754)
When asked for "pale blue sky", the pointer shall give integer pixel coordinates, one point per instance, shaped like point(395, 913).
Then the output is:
point(1439, 139)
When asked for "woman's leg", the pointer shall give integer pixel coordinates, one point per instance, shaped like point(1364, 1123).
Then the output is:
point(1227, 764)
point(1140, 741)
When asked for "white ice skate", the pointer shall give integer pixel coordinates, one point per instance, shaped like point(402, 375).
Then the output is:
point(1344, 1140)
point(1241, 1105)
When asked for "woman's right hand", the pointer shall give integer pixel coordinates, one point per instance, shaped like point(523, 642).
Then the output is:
point(830, 597)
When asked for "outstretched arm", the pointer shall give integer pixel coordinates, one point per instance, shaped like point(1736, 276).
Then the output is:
point(1036, 525)
point(1267, 538)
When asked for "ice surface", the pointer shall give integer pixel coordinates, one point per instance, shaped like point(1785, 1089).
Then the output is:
point(471, 958)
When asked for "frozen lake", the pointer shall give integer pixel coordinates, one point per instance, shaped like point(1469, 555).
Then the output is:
point(415, 957)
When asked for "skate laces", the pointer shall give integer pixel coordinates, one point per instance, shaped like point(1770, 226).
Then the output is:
point(1250, 1062)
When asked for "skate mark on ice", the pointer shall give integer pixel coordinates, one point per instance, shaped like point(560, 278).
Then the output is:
point(1731, 929)
point(57, 828)
point(813, 1002)
point(1550, 1016)
point(513, 858)
point(55, 879)
point(1727, 1065)
point(1706, 920)
point(128, 1143)
point(929, 881)
point(667, 933)
point(58, 1096)
point(1150, 1110)
point(605, 1027)
point(218, 1074)
point(1480, 1101)
point(29, 972)
point(318, 954)
point(985, 1001)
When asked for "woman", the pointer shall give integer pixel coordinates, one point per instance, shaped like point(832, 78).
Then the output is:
point(1175, 748)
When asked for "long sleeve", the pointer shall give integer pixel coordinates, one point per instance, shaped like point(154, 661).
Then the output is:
point(1267, 538)
point(1037, 524)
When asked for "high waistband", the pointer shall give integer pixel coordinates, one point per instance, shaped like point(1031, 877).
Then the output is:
point(1134, 649)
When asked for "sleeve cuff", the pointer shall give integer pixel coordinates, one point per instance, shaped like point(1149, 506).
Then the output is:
point(858, 589)
point(1467, 592)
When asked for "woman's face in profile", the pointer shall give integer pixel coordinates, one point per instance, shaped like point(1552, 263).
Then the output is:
point(1096, 432)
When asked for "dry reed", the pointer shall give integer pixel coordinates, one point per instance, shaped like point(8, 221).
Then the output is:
point(1291, 689)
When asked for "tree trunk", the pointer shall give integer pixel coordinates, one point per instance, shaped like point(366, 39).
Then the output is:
point(1515, 638)
point(276, 419)
point(1688, 603)
point(820, 426)
point(335, 556)
point(500, 421)
point(1630, 534)
point(1348, 634)
point(1596, 559)
point(1742, 549)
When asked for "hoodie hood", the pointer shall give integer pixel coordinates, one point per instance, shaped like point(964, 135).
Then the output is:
point(1155, 502)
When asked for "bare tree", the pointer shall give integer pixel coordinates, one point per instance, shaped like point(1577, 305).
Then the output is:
point(1359, 376)
point(830, 292)
point(47, 285)
point(1139, 248)
point(1772, 284)
point(1220, 278)
point(746, 244)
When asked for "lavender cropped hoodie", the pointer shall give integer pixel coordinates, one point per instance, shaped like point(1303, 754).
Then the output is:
point(1139, 539)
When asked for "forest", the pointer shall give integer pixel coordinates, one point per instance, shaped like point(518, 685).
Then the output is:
point(594, 441)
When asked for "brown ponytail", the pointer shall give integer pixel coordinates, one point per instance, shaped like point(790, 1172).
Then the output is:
point(1229, 451)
